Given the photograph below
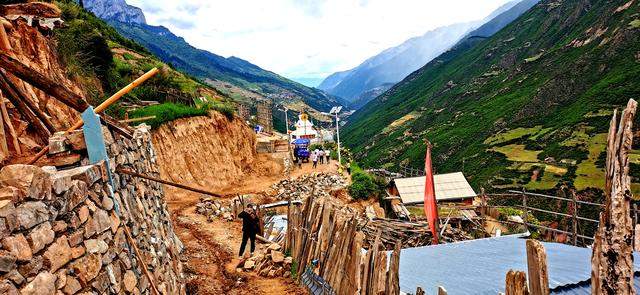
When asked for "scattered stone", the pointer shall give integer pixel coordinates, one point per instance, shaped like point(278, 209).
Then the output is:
point(18, 247)
point(277, 256)
point(249, 264)
point(43, 284)
point(58, 254)
point(274, 246)
point(40, 237)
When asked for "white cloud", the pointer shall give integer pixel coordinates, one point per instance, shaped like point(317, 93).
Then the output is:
point(307, 38)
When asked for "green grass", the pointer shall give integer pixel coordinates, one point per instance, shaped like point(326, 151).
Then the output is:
point(167, 112)
point(517, 153)
point(634, 24)
point(588, 174)
point(512, 134)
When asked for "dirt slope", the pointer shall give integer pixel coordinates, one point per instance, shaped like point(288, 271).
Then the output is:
point(211, 152)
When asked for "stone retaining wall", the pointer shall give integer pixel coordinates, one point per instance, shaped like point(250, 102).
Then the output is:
point(61, 232)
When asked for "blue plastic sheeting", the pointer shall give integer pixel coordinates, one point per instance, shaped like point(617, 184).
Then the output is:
point(301, 141)
point(479, 266)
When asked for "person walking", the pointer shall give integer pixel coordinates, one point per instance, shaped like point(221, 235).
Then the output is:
point(349, 168)
point(327, 154)
point(314, 158)
point(250, 227)
point(299, 162)
point(321, 156)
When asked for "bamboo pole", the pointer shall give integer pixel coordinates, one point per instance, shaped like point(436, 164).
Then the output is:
point(137, 119)
point(104, 105)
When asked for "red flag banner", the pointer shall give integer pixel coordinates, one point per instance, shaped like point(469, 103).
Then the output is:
point(430, 204)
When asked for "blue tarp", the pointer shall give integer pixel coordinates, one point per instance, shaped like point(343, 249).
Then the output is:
point(301, 141)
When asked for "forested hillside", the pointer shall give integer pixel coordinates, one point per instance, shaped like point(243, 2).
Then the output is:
point(528, 107)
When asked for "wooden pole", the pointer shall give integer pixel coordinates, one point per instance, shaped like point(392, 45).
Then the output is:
point(526, 210)
point(419, 291)
point(182, 186)
point(12, 131)
point(137, 119)
point(393, 275)
point(612, 259)
point(103, 106)
point(537, 266)
point(143, 265)
point(441, 291)
point(33, 77)
point(5, 45)
point(21, 105)
point(574, 218)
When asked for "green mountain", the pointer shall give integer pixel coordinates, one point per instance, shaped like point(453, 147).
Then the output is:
point(528, 107)
point(220, 72)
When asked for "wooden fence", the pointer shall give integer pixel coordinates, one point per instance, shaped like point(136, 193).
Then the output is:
point(324, 236)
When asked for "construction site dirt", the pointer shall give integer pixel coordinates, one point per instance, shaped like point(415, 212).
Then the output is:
point(211, 248)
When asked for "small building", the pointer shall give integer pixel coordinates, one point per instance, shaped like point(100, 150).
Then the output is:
point(450, 187)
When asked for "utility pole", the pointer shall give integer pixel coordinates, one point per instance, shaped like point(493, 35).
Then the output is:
point(338, 136)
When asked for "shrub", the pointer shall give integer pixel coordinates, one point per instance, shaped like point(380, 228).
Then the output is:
point(364, 185)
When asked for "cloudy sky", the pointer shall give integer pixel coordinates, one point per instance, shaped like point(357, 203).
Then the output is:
point(307, 38)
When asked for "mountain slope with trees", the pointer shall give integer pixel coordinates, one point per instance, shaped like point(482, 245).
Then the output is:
point(527, 107)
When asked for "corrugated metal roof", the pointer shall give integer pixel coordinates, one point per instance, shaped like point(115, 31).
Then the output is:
point(448, 186)
point(479, 266)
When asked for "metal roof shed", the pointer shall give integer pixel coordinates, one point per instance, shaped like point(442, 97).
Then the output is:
point(449, 187)
point(479, 266)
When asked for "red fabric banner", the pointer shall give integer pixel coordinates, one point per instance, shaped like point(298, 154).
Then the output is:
point(430, 204)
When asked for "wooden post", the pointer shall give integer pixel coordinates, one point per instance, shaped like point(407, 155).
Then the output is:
point(636, 240)
point(483, 210)
point(182, 186)
point(516, 283)
point(526, 209)
point(419, 291)
point(612, 260)
point(393, 275)
point(537, 266)
point(442, 291)
point(575, 218)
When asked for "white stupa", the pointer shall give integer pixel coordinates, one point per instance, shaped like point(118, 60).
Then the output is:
point(304, 129)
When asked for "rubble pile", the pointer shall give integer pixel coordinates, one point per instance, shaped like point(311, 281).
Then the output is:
point(212, 208)
point(66, 231)
point(300, 188)
point(270, 262)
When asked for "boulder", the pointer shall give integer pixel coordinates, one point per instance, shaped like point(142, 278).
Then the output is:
point(277, 256)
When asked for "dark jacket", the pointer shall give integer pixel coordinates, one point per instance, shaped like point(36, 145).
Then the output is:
point(250, 222)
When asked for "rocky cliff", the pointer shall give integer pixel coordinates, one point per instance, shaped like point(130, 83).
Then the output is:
point(117, 10)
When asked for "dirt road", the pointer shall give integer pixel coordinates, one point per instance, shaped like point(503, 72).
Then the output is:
point(211, 248)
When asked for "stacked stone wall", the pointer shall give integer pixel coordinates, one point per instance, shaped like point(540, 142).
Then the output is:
point(62, 232)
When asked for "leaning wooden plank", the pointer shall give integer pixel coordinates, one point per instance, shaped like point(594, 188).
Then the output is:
point(12, 131)
point(40, 9)
point(116, 126)
point(103, 106)
point(43, 83)
point(22, 107)
point(537, 266)
point(612, 259)
point(143, 265)
point(5, 46)
point(178, 185)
